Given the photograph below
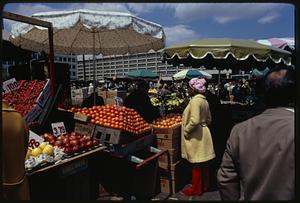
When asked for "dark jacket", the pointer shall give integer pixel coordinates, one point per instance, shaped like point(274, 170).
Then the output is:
point(89, 101)
point(140, 102)
point(259, 160)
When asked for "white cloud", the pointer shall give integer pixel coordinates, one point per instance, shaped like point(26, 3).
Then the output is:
point(99, 7)
point(141, 8)
point(268, 18)
point(223, 12)
point(179, 34)
point(26, 9)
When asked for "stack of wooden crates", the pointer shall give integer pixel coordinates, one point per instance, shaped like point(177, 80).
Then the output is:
point(170, 139)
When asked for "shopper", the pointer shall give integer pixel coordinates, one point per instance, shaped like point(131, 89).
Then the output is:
point(196, 141)
point(259, 161)
point(140, 101)
point(89, 101)
point(15, 144)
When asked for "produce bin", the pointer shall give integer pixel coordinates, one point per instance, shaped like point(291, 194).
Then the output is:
point(136, 175)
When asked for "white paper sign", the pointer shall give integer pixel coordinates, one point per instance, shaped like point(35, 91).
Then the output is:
point(10, 85)
point(58, 128)
point(34, 140)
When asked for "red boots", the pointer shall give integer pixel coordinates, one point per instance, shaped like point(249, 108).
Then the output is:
point(200, 181)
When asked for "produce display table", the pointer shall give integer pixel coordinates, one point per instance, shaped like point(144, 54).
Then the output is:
point(69, 179)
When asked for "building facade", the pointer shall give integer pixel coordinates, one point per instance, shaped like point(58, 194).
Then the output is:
point(120, 65)
point(69, 59)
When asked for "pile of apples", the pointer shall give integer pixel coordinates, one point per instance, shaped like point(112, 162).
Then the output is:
point(24, 98)
point(168, 121)
point(116, 117)
point(71, 142)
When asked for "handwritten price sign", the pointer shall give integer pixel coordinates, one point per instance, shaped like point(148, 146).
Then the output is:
point(10, 85)
point(34, 140)
point(58, 128)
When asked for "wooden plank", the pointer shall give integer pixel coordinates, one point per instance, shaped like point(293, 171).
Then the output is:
point(25, 19)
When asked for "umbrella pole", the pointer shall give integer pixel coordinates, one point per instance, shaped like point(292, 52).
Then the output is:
point(219, 81)
point(94, 65)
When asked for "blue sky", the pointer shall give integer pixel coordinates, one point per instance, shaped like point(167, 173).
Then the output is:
point(188, 21)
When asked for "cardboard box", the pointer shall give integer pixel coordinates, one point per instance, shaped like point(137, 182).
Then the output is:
point(84, 128)
point(111, 94)
point(175, 155)
point(103, 94)
point(176, 130)
point(110, 102)
point(112, 136)
point(81, 117)
point(168, 144)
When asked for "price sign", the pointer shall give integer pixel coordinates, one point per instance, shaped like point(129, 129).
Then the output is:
point(34, 140)
point(58, 128)
point(10, 85)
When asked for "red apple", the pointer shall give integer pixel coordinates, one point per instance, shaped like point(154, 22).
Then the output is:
point(72, 137)
point(68, 150)
point(87, 138)
point(66, 140)
point(52, 142)
point(74, 142)
point(60, 137)
point(82, 146)
point(82, 140)
point(89, 144)
point(75, 148)
point(95, 142)
point(58, 143)
point(73, 133)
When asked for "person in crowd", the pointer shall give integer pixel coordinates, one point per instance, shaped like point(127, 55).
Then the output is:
point(15, 137)
point(259, 160)
point(140, 101)
point(196, 141)
point(163, 90)
point(89, 101)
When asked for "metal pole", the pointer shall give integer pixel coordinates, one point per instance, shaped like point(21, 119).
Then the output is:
point(83, 62)
point(51, 56)
point(94, 64)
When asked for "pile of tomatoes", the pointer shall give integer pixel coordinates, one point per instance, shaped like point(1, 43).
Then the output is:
point(24, 98)
point(116, 117)
point(169, 121)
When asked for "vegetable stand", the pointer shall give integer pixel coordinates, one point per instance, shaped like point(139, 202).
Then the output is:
point(68, 179)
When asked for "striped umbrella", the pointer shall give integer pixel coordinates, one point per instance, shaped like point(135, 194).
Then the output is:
point(191, 73)
point(280, 43)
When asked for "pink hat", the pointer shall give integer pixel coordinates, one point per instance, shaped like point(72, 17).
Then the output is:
point(198, 84)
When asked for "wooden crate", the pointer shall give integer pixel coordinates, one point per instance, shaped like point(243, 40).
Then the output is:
point(180, 175)
point(175, 155)
point(168, 136)
point(174, 131)
point(168, 144)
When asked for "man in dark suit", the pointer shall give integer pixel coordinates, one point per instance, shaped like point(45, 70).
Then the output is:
point(140, 101)
point(259, 160)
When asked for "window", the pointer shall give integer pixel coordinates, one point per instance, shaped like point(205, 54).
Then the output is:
point(65, 59)
point(73, 59)
point(60, 59)
point(69, 59)
point(73, 74)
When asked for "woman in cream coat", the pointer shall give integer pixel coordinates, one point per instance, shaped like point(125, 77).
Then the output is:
point(196, 141)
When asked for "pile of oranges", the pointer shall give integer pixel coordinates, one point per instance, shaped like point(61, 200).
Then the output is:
point(169, 121)
point(116, 117)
